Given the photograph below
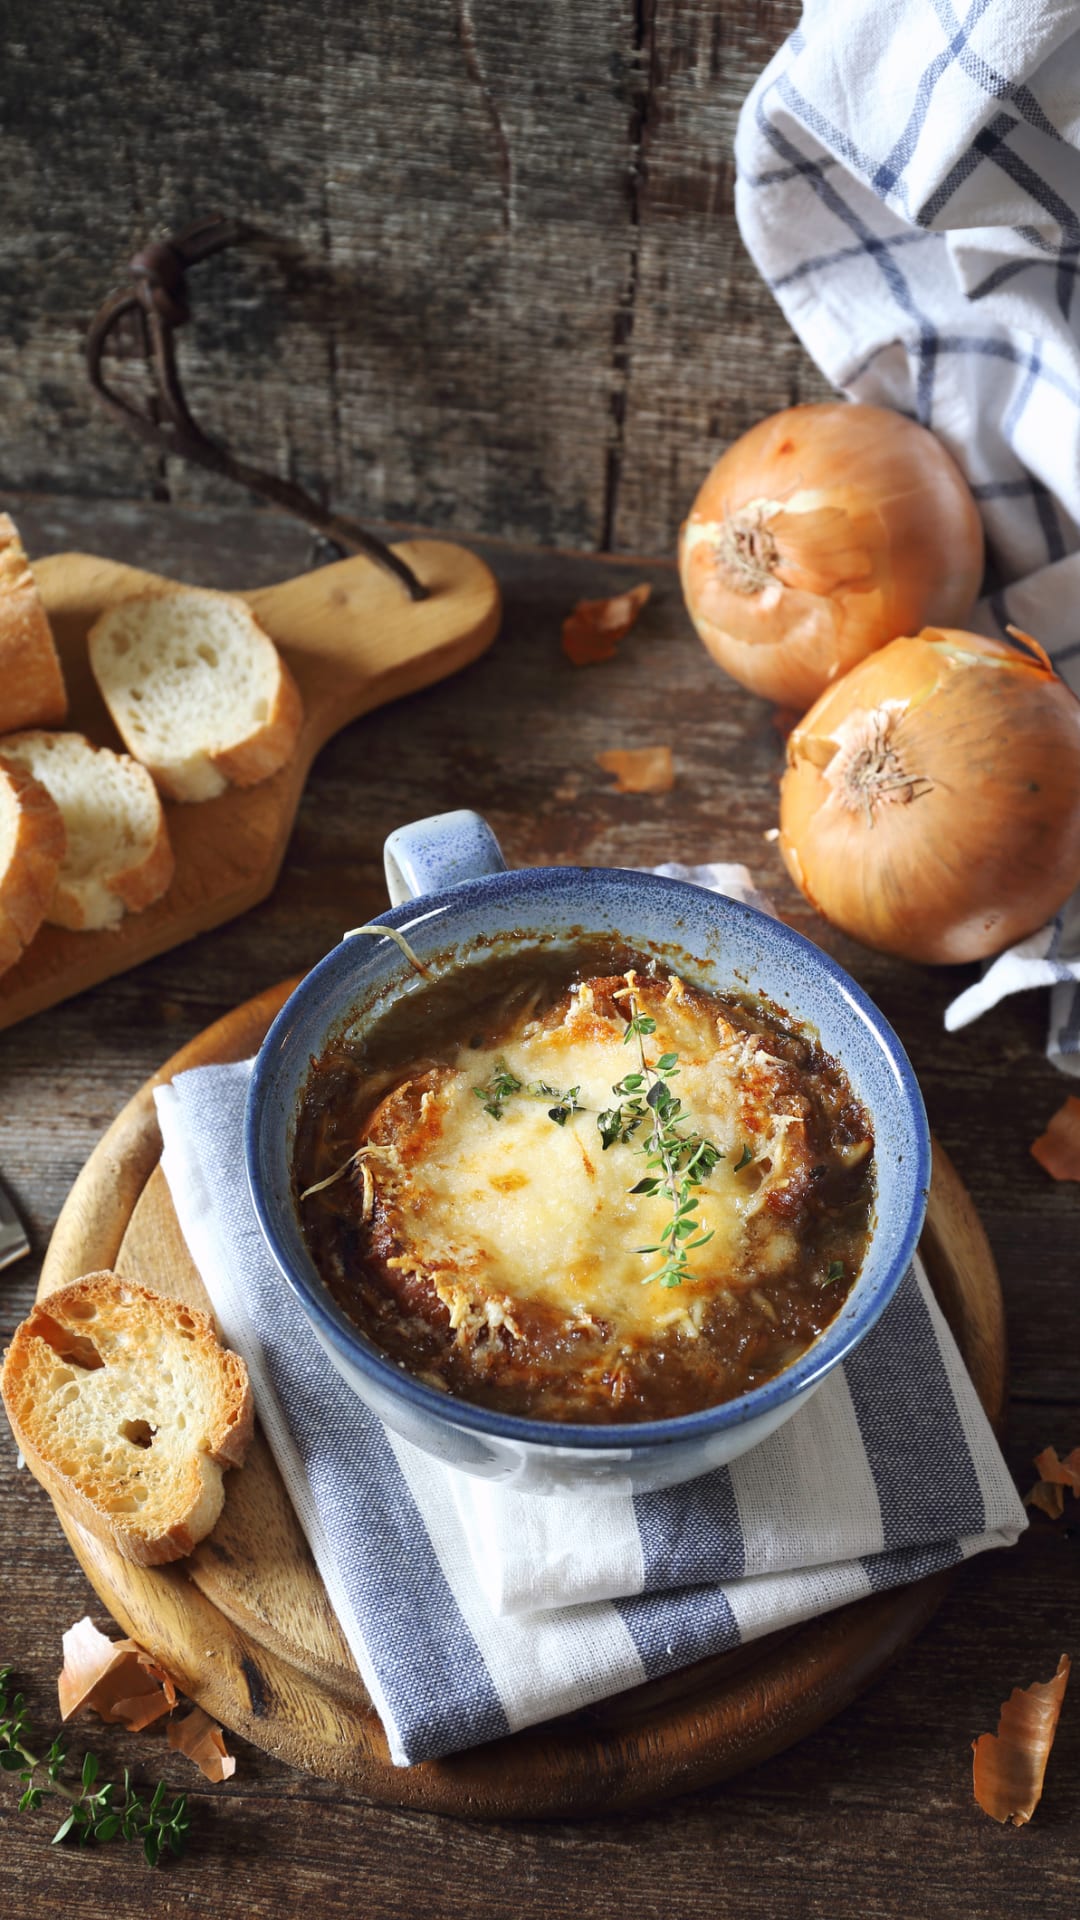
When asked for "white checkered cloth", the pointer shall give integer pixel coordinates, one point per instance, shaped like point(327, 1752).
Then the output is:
point(473, 1610)
point(909, 187)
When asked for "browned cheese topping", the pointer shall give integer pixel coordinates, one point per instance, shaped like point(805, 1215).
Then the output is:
point(484, 1235)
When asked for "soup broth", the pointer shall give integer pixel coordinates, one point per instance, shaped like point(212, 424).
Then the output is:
point(571, 1186)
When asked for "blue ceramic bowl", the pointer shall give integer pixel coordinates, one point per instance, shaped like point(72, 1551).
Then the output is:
point(453, 898)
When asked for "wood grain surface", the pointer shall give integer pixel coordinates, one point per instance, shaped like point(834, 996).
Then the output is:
point(246, 1623)
point(499, 288)
point(353, 640)
point(869, 1818)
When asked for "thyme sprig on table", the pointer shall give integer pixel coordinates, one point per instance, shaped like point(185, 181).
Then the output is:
point(97, 1813)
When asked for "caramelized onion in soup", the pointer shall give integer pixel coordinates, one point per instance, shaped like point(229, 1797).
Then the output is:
point(574, 1187)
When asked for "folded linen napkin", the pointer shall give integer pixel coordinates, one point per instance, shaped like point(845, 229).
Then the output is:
point(473, 1611)
point(908, 179)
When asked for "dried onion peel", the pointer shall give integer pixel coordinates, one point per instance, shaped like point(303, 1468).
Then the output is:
point(115, 1678)
point(1049, 1497)
point(1058, 1149)
point(592, 631)
point(931, 803)
point(1058, 1472)
point(822, 534)
point(201, 1739)
point(639, 769)
point(1010, 1764)
point(1048, 1493)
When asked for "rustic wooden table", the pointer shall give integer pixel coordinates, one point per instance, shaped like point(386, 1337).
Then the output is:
point(872, 1816)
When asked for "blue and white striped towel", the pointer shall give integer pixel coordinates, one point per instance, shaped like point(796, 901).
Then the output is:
point(473, 1611)
point(909, 187)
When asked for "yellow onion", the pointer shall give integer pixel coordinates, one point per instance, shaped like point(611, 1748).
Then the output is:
point(822, 534)
point(931, 803)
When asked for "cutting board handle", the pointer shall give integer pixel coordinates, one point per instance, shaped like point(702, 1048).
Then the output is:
point(355, 640)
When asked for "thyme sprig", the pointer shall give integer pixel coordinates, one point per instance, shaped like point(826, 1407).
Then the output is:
point(618, 1125)
point(503, 1085)
point(566, 1104)
point(499, 1089)
point(97, 1813)
point(677, 1161)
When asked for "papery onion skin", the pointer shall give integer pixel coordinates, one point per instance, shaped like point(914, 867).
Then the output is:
point(1009, 1766)
point(931, 803)
point(824, 533)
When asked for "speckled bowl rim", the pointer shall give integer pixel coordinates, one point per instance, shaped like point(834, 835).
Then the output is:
point(828, 1351)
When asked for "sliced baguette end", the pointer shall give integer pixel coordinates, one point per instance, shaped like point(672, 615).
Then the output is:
point(32, 690)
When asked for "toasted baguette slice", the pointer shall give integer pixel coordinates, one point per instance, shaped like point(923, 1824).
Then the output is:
point(198, 691)
point(32, 692)
point(118, 854)
point(32, 843)
point(126, 1408)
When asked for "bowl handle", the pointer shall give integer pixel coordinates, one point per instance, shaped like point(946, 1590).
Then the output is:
point(430, 855)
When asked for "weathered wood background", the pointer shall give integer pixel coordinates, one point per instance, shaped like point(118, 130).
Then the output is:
point(501, 286)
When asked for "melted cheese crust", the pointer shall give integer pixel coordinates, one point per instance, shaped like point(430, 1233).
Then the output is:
point(503, 1220)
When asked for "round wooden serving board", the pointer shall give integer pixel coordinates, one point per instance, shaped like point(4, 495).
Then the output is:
point(247, 1629)
point(353, 639)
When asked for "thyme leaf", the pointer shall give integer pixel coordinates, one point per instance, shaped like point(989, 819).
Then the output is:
point(618, 1125)
point(498, 1090)
point(568, 1103)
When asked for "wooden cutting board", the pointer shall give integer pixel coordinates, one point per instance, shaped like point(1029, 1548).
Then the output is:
point(246, 1626)
point(353, 639)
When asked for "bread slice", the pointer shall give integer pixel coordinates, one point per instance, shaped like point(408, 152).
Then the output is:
point(32, 843)
point(118, 855)
point(127, 1408)
point(32, 692)
point(198, 691)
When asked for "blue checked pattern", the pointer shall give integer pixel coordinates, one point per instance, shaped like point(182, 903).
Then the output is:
point(909, 188)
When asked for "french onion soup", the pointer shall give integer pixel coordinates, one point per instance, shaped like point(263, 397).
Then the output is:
point(572, 1186)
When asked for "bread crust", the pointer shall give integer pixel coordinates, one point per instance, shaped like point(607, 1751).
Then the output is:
point(28, 881)
point(138, 887)
point(262, 753)
point(57, 1330)
point(32, 691)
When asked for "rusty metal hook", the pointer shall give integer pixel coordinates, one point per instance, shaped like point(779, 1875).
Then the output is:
point(159, 296)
